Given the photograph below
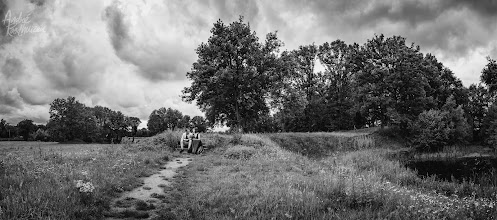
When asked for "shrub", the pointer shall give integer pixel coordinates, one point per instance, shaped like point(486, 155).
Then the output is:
point(435, 129)
point(168, 138)
point(431, 131)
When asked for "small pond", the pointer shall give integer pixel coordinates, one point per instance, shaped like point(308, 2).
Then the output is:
point(473, 169)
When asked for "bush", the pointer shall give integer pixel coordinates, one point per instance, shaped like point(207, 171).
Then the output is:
point(435, 129)
point(39, 135)
point(169, 138)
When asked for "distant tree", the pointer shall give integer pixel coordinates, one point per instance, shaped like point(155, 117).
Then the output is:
point(144, 132)
point(336, 58)
point(155, 122)
point(231, 77)
point(71, 120)
point(489, 75)
point(172, 118)
point(306, 58)
point(435, 129)
point(134, 122)
point(3, 129)
point(11, 130)
point(287, 96)
point(118, 125)
point(200, 123)
point(478, 101)
point(264, 124)
point(184, 122)
point(163, 119)
point(390, 82)
point(26, 127)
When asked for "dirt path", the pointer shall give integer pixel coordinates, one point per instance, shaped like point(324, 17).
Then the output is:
point(142, 202)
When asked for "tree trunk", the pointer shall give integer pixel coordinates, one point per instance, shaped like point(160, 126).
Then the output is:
point(238, 118)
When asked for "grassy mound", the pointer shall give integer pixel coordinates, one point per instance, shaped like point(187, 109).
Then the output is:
point(278, 183)
point(318, 145)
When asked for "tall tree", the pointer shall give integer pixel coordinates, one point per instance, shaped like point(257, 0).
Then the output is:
point(3, 129)
point(477, 109)
point(287, 98)
point(26, 127)
point(155, 122)
point(391, 85)
point(230, 79)
point(184, 122)
point(336, 58)
point(172, 118)
point(134, 122)
point(70, 120)
point(199, 123)
point(489, 75)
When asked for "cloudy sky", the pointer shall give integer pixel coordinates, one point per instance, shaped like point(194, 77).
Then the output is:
point(132, 55)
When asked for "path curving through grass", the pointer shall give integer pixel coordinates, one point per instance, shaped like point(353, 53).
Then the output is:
point(142, 202)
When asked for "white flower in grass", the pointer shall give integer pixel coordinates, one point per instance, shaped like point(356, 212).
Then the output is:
point(84, 187)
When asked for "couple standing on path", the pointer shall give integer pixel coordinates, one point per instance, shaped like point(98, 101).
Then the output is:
point(192, 139)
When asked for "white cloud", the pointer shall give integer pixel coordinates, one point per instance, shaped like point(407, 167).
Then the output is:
point(132, 56)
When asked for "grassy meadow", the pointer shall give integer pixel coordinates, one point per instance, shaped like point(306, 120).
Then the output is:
point(249, 176)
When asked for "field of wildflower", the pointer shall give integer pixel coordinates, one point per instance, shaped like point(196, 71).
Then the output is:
point(70, 181)
point(249, 176)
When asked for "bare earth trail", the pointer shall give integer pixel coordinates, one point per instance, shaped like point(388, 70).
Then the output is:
point(142, 202)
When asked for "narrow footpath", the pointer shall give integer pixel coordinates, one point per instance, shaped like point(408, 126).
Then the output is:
point(142, 202)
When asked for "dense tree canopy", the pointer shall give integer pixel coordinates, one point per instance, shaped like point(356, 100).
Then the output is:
point(230, 79)
point(71, 120)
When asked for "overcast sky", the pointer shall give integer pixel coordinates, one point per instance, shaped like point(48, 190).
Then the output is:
point(132, 56)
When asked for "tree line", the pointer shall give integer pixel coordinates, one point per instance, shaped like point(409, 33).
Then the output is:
point(163, 119)
point(254, 87)
point(71, 120)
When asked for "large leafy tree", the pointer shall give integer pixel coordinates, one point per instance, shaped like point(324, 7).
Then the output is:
point(155, 122)
point(489, 75)
point(231, 77)
point(172, 118)
point(3, 128)
point(477, 106)
point(200, 123)
point(184, 122)
point(390, 81)
point(286, 94)
point(336, 58)
point(70, 120)
point(134, 122)
point(26, 127)
point(163, 119)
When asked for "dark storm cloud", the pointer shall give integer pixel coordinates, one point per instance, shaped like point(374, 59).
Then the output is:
point(156, 59)
point(118, 31)
point(482, 7)
point(453, 26)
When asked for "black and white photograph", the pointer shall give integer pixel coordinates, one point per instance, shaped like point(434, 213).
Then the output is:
point(248, 109)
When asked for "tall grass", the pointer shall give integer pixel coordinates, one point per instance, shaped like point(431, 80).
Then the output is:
point(280, 176)
point(42, 182)
point(78, 181)
point(284, 184)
